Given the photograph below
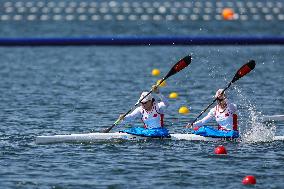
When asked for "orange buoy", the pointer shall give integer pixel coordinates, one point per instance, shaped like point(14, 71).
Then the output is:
point(220, 150)
point(248, 180)
point(228, 14)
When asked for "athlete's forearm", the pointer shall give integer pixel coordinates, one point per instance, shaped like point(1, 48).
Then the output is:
point(131, 116)
point(203, 121)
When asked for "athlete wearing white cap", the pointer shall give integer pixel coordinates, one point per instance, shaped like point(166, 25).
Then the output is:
point(224, 113)
point(150, 112)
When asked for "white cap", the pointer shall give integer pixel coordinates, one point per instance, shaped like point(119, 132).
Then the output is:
point(219, 92)
point(147, 98)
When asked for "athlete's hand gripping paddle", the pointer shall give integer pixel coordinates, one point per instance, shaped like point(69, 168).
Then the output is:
point(244, 70)
point(181, 64)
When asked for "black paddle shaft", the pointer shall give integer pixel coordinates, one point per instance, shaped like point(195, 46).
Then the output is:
point(181, 64)
point(245, 69)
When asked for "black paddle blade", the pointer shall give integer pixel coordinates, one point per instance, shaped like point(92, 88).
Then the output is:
point(179, 66)
point(245, 69)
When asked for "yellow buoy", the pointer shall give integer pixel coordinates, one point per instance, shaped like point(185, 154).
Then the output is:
point(173, 95)
point(183, 110)
point(228, 14)
point(163, 84)
point(155, 72)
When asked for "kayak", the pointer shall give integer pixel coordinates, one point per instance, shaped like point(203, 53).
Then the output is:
point(274, 118)
point(93, 137)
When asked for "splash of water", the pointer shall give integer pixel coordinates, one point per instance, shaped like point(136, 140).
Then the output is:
point(258, 131)
point(254, 128)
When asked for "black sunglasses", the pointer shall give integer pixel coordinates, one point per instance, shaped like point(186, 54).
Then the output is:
point(145, 102)
point(220, 100)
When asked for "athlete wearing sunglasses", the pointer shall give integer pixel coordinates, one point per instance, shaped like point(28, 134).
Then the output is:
point(224, 114)
point(151, 113)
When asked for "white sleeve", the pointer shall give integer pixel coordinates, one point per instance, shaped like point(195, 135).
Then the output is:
point(133, 115)
point(163, 104)
point(206, 119)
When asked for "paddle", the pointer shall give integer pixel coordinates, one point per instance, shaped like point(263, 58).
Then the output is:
point(245, 69)
point(181, 64)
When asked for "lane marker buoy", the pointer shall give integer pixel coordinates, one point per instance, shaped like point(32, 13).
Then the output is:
point(163, 84)
point(155, 72)
point(249, 180)
point(173, 95)
point(183, 110)
point(220, 150)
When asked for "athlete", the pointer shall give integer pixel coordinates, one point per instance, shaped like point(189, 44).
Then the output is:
point(225, 115)
point(152, 115)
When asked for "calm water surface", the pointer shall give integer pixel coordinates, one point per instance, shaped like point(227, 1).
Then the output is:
point(67, 90)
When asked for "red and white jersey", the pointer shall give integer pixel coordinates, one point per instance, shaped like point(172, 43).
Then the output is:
point(226, 119)
point(151, 119)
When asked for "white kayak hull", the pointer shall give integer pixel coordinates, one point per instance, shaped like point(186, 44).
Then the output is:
point(274, 118)
point(92, 137)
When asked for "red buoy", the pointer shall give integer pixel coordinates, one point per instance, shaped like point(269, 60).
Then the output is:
point(249, 180)
point(220, 150)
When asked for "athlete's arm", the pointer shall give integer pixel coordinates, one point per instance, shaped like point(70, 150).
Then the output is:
point(206, 119)
point(163, 104)
point(133, 115)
